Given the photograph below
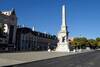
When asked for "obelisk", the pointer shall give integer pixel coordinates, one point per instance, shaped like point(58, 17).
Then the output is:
point(63, 45)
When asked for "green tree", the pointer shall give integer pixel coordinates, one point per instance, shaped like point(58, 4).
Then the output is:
point(98, 41)
point(92, 43)
point(80, 42)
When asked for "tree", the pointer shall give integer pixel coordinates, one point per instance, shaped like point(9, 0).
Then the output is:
point(79, 42)
point(92, 43)
point(98, 41)
point(98, 44)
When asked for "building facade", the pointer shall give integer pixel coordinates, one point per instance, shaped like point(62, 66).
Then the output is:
point(28, 40)
point(8, 22)
point(13, 38)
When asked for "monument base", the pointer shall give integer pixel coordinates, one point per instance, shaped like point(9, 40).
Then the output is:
point(62, 47)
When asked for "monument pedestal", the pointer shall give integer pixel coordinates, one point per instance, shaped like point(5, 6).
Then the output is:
point(62, 47)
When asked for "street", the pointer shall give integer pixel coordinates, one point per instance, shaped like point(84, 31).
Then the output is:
point(88, 59)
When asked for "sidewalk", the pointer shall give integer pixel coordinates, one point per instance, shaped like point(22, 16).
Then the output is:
point(18, 58)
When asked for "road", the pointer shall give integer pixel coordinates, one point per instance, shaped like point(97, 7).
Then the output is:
point(88, 59)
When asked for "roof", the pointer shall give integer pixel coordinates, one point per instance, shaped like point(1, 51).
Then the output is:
point(25, 30)
point(8, 12)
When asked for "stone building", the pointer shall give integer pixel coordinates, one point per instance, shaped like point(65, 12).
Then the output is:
point(8, 21)
point(28, 40)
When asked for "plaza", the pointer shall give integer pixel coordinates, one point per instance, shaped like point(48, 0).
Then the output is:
point(7, 59)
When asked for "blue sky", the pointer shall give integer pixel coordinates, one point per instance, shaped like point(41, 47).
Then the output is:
point(83, 16)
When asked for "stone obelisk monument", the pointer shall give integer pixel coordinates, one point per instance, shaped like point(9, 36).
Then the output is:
point(63, 45)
